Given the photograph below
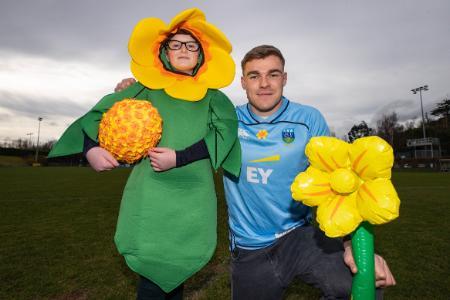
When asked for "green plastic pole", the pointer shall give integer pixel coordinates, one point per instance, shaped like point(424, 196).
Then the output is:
point(363, 287)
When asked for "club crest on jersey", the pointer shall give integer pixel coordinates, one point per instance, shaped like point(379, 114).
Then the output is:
point(288, 135)
point(262, 134)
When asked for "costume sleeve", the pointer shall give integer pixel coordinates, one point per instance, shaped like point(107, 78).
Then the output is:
point(72, 140)
point(221, 139)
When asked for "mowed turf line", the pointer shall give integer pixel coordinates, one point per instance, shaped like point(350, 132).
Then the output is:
point(57, 227)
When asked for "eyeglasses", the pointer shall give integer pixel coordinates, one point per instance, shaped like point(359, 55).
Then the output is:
point(176, 45)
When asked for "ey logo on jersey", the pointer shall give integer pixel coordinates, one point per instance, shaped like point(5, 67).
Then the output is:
point(261, 175)
point(258, 175)
point(288, 135)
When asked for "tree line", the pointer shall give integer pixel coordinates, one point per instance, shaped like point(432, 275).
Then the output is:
point(26, 144)
point(397, 134)
point(387, 127)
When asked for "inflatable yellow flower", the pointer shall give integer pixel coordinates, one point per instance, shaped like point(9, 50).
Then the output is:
point(349, 183)
point(216, 71)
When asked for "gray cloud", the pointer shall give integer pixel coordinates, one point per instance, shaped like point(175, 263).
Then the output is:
point(95, 31)
point(386, 30)
point(6, 117)
point(406, 110)
point(34, 106)
point(354, 60)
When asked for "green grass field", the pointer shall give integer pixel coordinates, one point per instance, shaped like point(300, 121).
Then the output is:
point(57, 227)
point(12, 161)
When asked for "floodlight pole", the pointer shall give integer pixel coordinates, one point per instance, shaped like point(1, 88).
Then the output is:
point(37, 144)
point(420, 89)
point(29, 143)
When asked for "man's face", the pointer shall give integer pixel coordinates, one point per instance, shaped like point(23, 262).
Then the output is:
point(263, 81)
point(182, 59)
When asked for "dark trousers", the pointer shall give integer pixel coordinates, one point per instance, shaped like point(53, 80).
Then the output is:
point(148, 290)
point(305, 252)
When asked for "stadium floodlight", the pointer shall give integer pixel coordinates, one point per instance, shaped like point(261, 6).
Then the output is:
point(414, 91)
point(29, 142)
point(37, 143)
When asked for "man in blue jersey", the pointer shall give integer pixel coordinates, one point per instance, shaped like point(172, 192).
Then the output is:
point(271, 236)
point(272, 240)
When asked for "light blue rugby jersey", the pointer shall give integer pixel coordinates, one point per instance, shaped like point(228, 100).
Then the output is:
point(260, 204)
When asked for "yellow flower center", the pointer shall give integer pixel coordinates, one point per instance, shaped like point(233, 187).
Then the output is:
point(344, 181)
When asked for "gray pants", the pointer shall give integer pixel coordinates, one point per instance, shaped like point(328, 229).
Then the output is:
point(304, 252)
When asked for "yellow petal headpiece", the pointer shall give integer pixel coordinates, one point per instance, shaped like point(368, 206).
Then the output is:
point(349, 183)
point(217, 70)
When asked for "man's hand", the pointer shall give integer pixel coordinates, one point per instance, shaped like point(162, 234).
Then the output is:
point(124, 84)
point(383, 275)
point(100, 159)
point(162, 159)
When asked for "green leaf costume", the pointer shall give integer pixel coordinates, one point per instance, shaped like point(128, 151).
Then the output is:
point(166, 228)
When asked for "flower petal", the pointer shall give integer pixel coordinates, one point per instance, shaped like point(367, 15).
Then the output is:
point(371, 157)
point(327, 153)
point(219, 68)
point(220, 71)
point(213, 35)
point(378, 201)
point(339, 216)
point(312, 187)
point(147, 34)
point(192, 14)
point(187, 89)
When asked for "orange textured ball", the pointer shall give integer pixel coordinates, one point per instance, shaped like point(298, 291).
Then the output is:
point(129, 129)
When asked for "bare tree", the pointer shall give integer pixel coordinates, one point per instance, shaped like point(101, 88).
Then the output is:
point(47, 145)
point(442, 110)
point(387, 126)
point(20, 143)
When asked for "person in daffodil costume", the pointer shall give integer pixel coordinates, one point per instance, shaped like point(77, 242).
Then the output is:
point(166, 228)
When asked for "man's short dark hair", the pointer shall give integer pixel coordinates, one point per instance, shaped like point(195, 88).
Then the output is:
point(261, 52)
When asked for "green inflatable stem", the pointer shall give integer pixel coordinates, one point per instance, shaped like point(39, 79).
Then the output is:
point(363, 287)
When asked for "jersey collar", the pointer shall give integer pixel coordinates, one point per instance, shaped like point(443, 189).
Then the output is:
point(273, 117)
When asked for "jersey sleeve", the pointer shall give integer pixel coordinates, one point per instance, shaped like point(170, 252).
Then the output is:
point(319, 126)
point(221, 139)
point(72, 140)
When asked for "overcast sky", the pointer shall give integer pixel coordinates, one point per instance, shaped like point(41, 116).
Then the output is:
point(353, 60)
